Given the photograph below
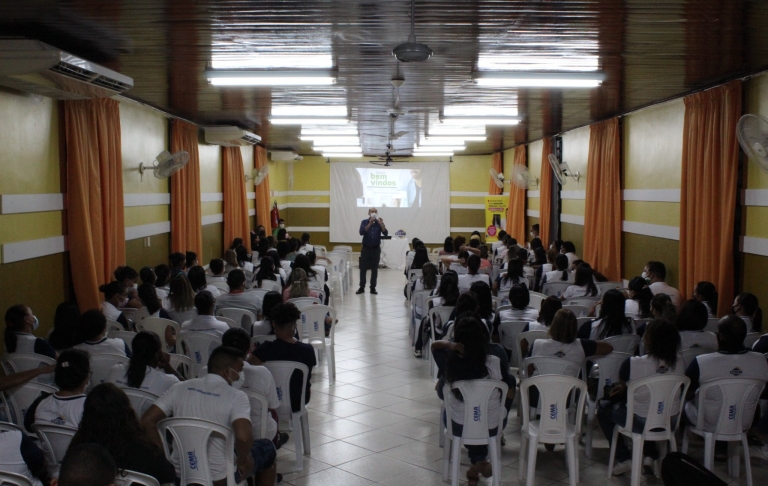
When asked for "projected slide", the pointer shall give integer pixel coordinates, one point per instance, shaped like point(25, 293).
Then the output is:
point(413, 197)
point(391, 188)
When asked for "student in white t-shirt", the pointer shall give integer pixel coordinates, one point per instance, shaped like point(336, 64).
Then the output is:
point(216, 267)
point(656, 273)
point(583, 284)
point(180, 303)
point(691, 321)
point(20, 323)
point(65, 407)
point(197, 280)
point(143, 372)
point(205, 321)
point(93, 326)
point(706, 293)
point(20, 455)
point(519, 299)
point(547, 311)
point(515, 275)
point(638, 305)
point(561, 274)
point(611, 322)
point(215, 397)
point(472, 275)
point(746, 306)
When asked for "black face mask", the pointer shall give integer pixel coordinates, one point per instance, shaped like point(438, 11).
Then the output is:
point(735, 309)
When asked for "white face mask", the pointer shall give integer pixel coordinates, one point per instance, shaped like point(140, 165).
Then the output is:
point(374, 215)
point(136, 286)
point(123, 302)
point(281, 225)
point(35, 324)
point(644, 274)
point(240, 380)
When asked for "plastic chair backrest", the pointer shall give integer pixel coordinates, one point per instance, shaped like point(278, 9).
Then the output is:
point(712, 324)
point(127, 478)
point(56, 439)
point(418, 298)
point(603, 287)
point(546, 365)
point(270, 285)
point(262, 338)
point(609, 369)
point(508, 331)
point(246, 318)
point(555, 288)
point(320, 250)
point(190, 438)
point(477, 397)
point(198, 346)
point(182, 364)
point(261, 292)
point(113, 325)
point(414, 274)
point(19, 399)
point(739, 399)
point(578, 310)
point(536, 300)
point(582, 301)
point(301, 302)
point(751, 339)
point(554, 391)
point(233, 324)
point(441, 311)
point(261, 419)
point(13, 479)
point(8, 426)
point(626, 343)
point(529, 336)
point(140, 399)
point(313, 322)
point(662, 389)
point(101, 365)
point(16, 362)
point(158, 326)
point(281, 372)
point(221, 286)
point(337, 259)
point(248, 278)
point(126, 336)
point(691, 353)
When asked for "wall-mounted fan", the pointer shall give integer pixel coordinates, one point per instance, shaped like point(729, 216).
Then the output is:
point(521, 177)
point(258, 176)
point(561, 170)
point(497, 178)
point(166, 164)
point(752, 132)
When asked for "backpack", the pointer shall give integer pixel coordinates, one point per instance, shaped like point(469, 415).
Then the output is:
point(680, 469)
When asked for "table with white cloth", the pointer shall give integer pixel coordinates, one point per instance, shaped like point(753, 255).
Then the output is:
point(393, 253)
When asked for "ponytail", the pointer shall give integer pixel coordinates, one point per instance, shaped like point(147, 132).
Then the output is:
point(14, 322)
point(145, 347)
point(561, 262)
point(751, 307)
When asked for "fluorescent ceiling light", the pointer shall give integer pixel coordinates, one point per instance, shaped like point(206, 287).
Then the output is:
point(557, 61)
point(443, 140)
point(538, 79)
point(439, 148)
point(313, 120)
point(256, 77)
point(458, 131)
point(328, 131)
point(320, 141)
point(336, 143)
point(343, 155)
point(340, 148)
point(480, 120)
point(270, 61)
point(432, 154)
point(479, 110)
point(301, 111)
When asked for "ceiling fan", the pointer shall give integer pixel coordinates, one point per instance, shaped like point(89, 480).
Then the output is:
point(387, 159)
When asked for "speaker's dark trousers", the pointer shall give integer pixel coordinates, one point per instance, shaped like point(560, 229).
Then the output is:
point(369, 260)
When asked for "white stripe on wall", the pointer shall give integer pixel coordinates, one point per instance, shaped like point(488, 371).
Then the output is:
point(467, 206)
point(30, 203)
point(250, 195)
point(316, 229)
point(754, 246)
point(655, 230)
point(149, 199)
point(252, 212)
point(572, 218)
point(651, 195)
point(211, 196)
point(533, 194)
point(300, 193)
point(144, 230)
point(754, 197)
point(533, 213)
point(25, 250)
point(464, 229)
point(303, 205)
point(573, 194)
point(213, 219)
point(469, 194)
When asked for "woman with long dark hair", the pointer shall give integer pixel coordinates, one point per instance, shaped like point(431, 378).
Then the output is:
point(64, 334)
point(447, 247)
point(559, 273)
point(638, 305)
point(706, 293)
point(746, 306)
point(473, 274)
point(583, 284)
point(266, 272)
point(109, 421)
point(611, 322)
point(180, 303)
point(20, 324)
point(515, 275)
point(448, 293)
point(198, 281)
point(152, 304)
point(420, 258)
point(142, 372)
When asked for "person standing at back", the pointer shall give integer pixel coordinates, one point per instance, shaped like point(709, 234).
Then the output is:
point(371, 230)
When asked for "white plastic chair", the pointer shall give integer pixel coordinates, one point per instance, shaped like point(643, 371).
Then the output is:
point(603, 287)
point(222, 286)
point(578, 310)
point(739, 400)
point(17, 400)
point(626, 343)
point(140, 400)
point(555, 288)
point(113, 325)
point(281, 372)
point(158, 325)
point(270, 286)
point(261, 418)
point(13, 479)
point(690, 354)
point(536, 299)
point(609, 375)
point(301, 302)
point(339, 267)
point(443, 312)
point(101, 365)
point(663, 391)
point(190, 438)
point(583, 301)
point(233, 324)
point(8, 426)
point(246, 318)
point(508, 331)
point(127, 478)
point(553, 426)
point(413, 275)
point(712, 324)
point(126, 336)
point(198, 347)
point(17, 362)
point(55, 440)
point(262, 338)
point(348, 251)
point(547, 365)
point(751, 339)
point(335, 281)
point(182, 364)
point(248, 278)
point(475, 431)
point(530, 337)
point(313, 327)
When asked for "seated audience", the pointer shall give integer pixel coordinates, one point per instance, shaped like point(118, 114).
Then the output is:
point(88, 464)
point(153, 306)
point(93, 329)
point(197, 280)
point(662, 344)
point(115, 297)
point(20, 324)
point(216, 266)
point(746, 306)
point(515, 275)
point(65, 323)
point(656, 273)
point(428, 281)
point(691, 321)
point(264, 325)
point(583, 284)
point(205, 321)
point(109, 421)
point(163, 274)
point(519, 299)
point(569, 250)
point(237, 296)
point(314, 279)
point(419, 257)
point(180, 303)
point(235, 243)
point(447, 247)
point(148, 276)
point(549, 308)
point(484, 303)
point(150, 369)
point(299, 286)
point(305, 245)
point(191, 260)
point(638, 305)
point(214, 398)
point(706, 293)
point(178, 263)
point(243, 259)
point(611, 322)
point(130, 278)
point(19, 454)
point(65, 407)
point(266, 272)
point(663, 308)
point(473, 274)
point(283, 249)
point(448, 293)
point(559, 273)
point(286, 348)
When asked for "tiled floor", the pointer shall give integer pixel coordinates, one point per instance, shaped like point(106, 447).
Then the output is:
point(378, 423)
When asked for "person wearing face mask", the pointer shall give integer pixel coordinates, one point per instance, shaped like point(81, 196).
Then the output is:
point(213, 397)
point(130, 278)
point(94, 340)
point(115, 297)
point(20, 324)
point(280, 226)
point(655, 273)
point(534, 231)
point(65, 407)
point(371, 230)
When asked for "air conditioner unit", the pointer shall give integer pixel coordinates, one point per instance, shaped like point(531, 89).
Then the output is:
point(230, 136)
point(284, 156)
point(36, 67)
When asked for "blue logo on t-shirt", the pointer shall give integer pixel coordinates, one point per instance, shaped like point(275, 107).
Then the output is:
point(192, 459)
point(58, 421)
point(560, 354)
point(736, 371)
point(476, 414)
point(662, 370)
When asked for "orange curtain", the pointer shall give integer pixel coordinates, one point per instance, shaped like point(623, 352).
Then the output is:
point(493, 189)
point(516, 207)
point(186, 212)
point(602, 215)
point(262, 191)
point(235, 199)
point(545, 193)
point(96, 229)
point(708, 190)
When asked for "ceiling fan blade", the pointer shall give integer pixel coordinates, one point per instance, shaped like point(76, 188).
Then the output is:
point(375, 135)
point(397, 135)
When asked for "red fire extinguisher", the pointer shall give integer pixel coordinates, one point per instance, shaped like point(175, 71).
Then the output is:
point(275, 215)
